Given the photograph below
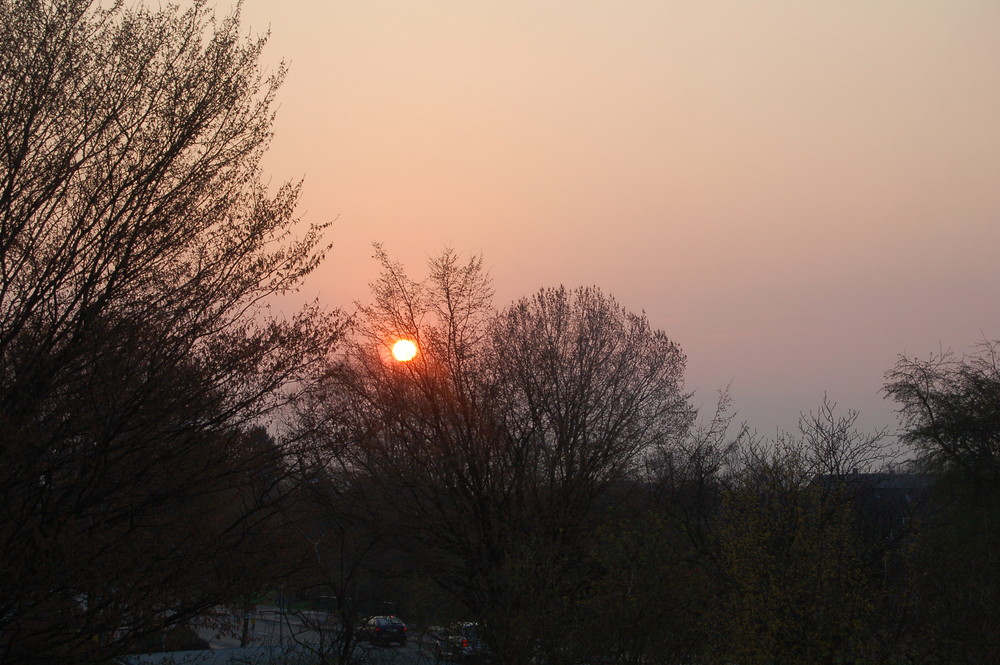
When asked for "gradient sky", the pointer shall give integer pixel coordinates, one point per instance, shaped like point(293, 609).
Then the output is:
point(796, 191)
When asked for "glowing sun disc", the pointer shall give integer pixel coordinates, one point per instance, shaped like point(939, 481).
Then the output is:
point(404, 350)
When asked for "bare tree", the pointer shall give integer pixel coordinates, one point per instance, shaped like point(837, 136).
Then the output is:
point(835, 447)
point(137, 247)
point(489, 454)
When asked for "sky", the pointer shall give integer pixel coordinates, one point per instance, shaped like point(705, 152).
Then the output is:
point(796, 191)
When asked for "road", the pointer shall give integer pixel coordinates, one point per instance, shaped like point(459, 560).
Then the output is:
point(271, 631)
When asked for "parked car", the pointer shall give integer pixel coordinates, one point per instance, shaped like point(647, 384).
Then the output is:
point(461, 643)
point(382, 630)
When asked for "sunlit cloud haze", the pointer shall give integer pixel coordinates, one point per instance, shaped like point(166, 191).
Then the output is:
point(795, 191)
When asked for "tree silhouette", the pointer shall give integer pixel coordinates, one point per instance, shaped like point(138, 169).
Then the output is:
point(137, 247)
point(490, 455)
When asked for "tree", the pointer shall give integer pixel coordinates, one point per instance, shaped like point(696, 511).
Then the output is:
point(590, 392)
point(653, 596)
point(950, 412)
point(799, 573)
point(137, 248)
point(343, 569)
point(491, 455)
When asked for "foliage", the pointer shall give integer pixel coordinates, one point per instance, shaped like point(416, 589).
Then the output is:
point(650, 602)
point(950, 411)
point(792, 564)
point(794, 571)
point(137, 245)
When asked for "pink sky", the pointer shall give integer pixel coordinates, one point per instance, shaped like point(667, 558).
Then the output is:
point(795, 191)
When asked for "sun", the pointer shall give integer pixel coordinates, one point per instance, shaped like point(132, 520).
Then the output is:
point(404, 350)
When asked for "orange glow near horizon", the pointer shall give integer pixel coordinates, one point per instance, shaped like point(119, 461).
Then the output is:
point(404, 350)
